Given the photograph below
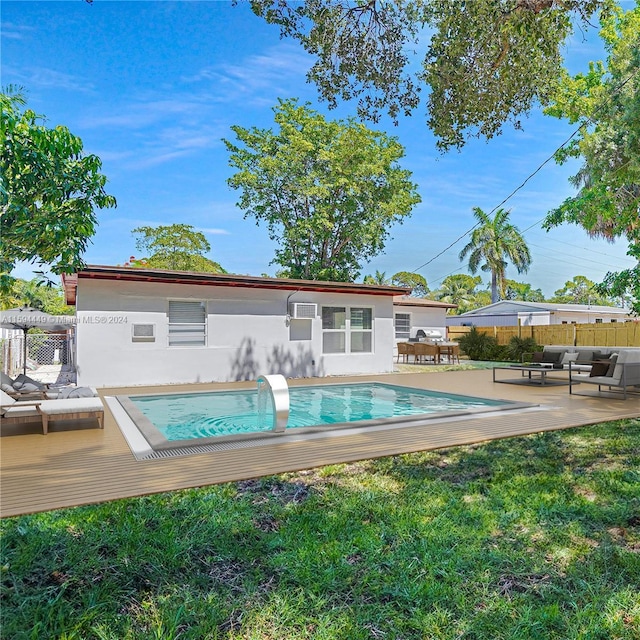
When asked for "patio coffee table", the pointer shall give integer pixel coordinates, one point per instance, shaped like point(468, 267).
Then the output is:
point(540, 380)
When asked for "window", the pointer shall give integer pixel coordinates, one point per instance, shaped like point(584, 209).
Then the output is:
point(598, 320)
point(402, 322)
point(334, 329)
point(187, 324)
point(347, 330)
point(361, 330)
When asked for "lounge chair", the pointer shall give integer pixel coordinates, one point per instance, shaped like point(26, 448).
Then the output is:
point(23, 387)
point(14, 412)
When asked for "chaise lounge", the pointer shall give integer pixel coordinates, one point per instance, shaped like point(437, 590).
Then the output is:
point(14, 412)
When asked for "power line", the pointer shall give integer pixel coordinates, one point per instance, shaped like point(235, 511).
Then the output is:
point(537, 170)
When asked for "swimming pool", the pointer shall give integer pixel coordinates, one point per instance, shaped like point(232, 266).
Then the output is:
point(184, 419)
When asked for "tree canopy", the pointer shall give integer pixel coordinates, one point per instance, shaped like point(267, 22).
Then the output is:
point(522, 291)
point(493, 242)
point(418, 283)
point(487, 61)
point(328, 191)
point(580, 290)
point(606, 102)
point(176, 247)
point(32, 293)
point(408, 279)
point(49, 190)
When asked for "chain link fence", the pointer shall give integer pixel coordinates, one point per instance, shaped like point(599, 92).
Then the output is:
point(46, 354)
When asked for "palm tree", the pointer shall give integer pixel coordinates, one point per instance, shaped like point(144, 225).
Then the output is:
point(493, 242)
point(461, 289)
point(379, 278)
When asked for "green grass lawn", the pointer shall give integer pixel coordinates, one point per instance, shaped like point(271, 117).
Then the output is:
point(532, 537)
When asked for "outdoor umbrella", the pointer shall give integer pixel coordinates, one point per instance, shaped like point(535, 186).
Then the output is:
point(26, 318)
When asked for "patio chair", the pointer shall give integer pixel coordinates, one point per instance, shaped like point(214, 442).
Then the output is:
point(15, 412)
point(405, 349)
point(424, 351)
point(450, 351)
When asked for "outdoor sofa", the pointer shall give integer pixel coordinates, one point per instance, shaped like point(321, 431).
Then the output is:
point(620, 373)
point(580, 358)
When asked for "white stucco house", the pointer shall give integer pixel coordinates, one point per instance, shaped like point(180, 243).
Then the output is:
point(510, 313)
point(149, 326)
point(415, 317)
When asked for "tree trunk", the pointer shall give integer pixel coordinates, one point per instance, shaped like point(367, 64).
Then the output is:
point(494, 287)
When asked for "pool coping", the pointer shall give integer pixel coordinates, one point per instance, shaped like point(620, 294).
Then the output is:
point(158, 442)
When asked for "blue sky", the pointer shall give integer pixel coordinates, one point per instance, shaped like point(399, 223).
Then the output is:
point(153, 87)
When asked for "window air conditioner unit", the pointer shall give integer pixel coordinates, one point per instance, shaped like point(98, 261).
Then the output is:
point(303, 310)
point(143, 332)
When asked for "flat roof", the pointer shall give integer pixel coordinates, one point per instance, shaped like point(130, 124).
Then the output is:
point(135, 274)
point(408, 301)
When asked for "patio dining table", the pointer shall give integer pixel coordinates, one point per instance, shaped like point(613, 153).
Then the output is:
point(444, 349)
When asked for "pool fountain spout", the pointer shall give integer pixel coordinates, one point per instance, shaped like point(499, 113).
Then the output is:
point(276, 386)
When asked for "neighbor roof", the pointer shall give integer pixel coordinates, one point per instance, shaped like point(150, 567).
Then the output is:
point(408, 301)
point(519, 306)
point(101, 272)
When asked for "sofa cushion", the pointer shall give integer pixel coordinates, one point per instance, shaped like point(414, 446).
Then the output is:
point(71, 405)
point(23, 380)
point(553, 357)
point(5, 399)
point(613, 359)
point(6, 382)
point(77, 392)
point(585, 356)
point(570, 356)
point(600, 368)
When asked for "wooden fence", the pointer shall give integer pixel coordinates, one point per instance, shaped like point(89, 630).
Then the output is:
point(612, 334)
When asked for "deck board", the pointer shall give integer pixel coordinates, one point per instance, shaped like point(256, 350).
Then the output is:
point(77, 463)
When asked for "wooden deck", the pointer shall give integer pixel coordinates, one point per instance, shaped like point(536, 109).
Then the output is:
point(78, 464)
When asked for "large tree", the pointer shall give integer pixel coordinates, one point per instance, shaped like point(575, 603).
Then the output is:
point(606, 102)
point(494, 242)
point(487, 61)
point(49, 191)
point(580, 290)
point(178, 247)
point(328, 191)
point(415, 281)
point(522, 291)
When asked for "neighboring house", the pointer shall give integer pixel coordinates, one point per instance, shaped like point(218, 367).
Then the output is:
point(411, 315)
point(510, 313)
point(149, 326)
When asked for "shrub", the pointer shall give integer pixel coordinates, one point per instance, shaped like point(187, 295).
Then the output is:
point(479, 346)
point(517, 347)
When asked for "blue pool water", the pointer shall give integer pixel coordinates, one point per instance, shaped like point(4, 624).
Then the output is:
point(225, 413)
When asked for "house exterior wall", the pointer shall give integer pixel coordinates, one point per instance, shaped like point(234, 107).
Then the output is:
point(489, 320)
point(561, 316)
point(248, 334)
point(534, 318)
point(425, 318)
